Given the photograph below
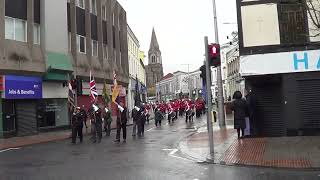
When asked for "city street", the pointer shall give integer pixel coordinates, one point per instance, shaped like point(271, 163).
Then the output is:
point(154, 157)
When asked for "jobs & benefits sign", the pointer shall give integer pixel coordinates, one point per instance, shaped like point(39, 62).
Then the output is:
point(23, 87)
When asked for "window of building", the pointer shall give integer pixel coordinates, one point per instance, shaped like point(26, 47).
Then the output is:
point(93, 8)
point(81, 4)
point(15, 29)
point(105, 51)
point(36, 34)
point(69, 42)
point(104, 12)
point(112, 18)
point(94, 48)
point(292, 26)
point(81, 44)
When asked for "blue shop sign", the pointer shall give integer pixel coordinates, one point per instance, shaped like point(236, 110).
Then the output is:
point(23, 87)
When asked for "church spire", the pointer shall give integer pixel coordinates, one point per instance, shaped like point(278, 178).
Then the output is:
point(154, 42)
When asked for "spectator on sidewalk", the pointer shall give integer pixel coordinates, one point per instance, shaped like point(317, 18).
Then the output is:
point(252, 105)
point(239, 106)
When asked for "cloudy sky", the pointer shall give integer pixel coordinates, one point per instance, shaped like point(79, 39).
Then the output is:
point(180, 27)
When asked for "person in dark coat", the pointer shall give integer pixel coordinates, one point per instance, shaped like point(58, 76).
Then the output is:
point(98, 126)
point(141, 121)
point(84, 115)
point(239, 106)
point(252, 105)
point(122, 119)
point(135, 119)
point(77, 125)
point(107, 116)
point(158, 117)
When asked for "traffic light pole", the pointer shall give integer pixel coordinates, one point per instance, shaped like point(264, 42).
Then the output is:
point(221, 115)
point(209, 101)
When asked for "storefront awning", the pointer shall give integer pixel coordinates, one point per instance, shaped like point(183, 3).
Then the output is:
point(58, 66)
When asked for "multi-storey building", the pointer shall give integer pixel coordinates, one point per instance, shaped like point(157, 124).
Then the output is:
point(235, 81)
point(136, 69)
point(43, 44)
point(173, 86)
point(195, 84)
point(279, 58)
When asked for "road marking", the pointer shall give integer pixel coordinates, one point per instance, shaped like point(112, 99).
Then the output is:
point(150, 129)
point(9, 149)
point(172, 154)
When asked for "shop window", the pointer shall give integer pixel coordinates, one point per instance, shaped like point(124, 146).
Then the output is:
point(15, 29)
point(53, 113)
point(81, 44)
point(36, 34)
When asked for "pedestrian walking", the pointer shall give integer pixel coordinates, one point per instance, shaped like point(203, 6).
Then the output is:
point(239, 106)
point(84, 115)
point(91, 116)
point(98, 124)
point(158, 117)
point(122, 118)
point(135, 118)
point(77, 126)
point(142, 123)
point(107, 117)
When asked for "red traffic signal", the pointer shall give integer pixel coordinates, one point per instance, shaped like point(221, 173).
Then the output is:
point(214, 55)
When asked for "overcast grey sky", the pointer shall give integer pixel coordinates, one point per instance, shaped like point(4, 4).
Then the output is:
point(180, 26)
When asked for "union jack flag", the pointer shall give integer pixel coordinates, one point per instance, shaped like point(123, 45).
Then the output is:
point(93, 90)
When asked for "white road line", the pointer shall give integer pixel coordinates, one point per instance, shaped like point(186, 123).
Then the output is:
point(150, 129)
point(9, 149)
point(173, 151)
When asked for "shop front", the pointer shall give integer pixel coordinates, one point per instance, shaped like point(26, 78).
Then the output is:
point(52, 110)
point(19, 105)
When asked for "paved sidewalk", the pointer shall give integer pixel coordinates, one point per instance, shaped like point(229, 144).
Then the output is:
point(283, 152)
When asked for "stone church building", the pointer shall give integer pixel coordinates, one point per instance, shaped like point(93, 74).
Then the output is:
point(154, 69)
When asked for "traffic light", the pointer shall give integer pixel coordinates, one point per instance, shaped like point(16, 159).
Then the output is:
point(203, 73)
point(214, 55)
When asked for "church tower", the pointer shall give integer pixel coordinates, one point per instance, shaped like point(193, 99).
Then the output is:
point(154, 69)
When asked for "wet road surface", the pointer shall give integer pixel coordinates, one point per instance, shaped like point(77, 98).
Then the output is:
point(154, 157)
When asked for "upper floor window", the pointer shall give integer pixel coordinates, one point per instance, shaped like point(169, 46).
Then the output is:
point(94, 48)
point(36, 34)
point(81, 4)
point(15, 29)
point(93, 8)
point(105, 51)
point(104, 12)
point(81, 44)
point(69, 42)
point(112, 18)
